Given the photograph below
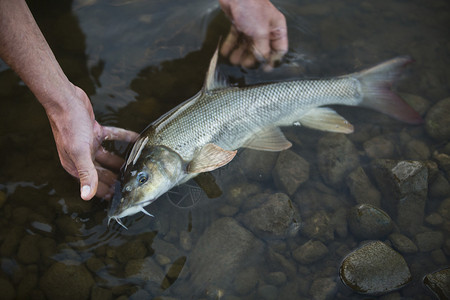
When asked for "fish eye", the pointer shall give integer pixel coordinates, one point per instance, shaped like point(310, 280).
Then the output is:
point(142, 177)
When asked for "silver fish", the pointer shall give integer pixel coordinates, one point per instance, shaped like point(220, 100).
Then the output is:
point(204, 132)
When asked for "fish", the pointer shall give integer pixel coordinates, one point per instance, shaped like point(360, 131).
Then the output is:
point(205, 132)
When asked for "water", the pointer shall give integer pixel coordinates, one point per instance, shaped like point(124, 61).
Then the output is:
point(136, 60)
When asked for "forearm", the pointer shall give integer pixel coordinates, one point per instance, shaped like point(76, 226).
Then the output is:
point(25, 50)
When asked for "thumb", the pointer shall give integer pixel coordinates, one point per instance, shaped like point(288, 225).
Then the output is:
point(88, 176)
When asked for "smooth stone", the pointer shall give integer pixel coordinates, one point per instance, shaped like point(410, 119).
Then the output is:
point(379, 147)
point(276, 217)
point(420, 104)
point(417, 150)
point(429, 241)
point(144, 270)
point(337, 157)
point(267, 292)
point(246, 281)
point(443, 161)
point(437, 122)
point(439, 283)
point(222, 250)
point(310, 252)
point(444, 209)
point(402, 243)
point(323, 288)
point(368, 222)
point(29, 249)
point(133, 249)
point(257, 165)
point(290, 171)
point(7, 289)
point(276, 278)
point(318, 226)
point(439, 187)
point(434, 219)
point(404, 185)
point(374, 268)
point(362, 189)
point(64, 280)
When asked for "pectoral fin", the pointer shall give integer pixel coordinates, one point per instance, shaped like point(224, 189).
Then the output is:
point(271, 139)
point(209, 158)
point(326, 119)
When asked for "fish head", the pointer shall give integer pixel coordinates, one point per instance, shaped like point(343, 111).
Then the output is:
point(143, 180)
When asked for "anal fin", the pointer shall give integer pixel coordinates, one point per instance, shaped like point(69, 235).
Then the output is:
point(326, 119)
point(270, 139)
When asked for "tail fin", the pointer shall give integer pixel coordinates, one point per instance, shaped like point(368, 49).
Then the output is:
point(376, 86)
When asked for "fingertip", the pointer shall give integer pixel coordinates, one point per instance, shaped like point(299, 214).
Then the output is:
point(86, 192)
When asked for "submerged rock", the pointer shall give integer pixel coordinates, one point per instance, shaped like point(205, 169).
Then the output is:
point(362, 189)
point(402, 243)
point(437, 122)
point(429, 241)
point(323, 288)
point(310, 252)
point(374, 268)
point(379, 147)
point(144, 270)
point(369, 222)
point(277, 217)
point(65, 280)
point(439, 283)
point(405, 186)
point(290, 171)
point(224, 248)
point(337, 156)
point(257, 165)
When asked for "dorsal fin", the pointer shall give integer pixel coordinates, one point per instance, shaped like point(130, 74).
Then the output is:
point(213, 79)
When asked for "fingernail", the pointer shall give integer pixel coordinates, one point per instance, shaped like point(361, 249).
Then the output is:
point(85, 191)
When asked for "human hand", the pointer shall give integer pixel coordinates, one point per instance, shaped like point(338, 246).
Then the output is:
point(79, 139)
point(258, 33)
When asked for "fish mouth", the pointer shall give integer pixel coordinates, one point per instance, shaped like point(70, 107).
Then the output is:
point(130, 211)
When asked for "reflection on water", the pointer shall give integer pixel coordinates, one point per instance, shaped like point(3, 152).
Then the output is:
point(262, 238)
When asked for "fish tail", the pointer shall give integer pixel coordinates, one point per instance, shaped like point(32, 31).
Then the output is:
point(376, 84)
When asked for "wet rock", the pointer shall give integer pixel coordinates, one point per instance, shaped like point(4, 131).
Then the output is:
point(11, 241)
point(310, 252)
point(438, 257)
point(133, 249)
point(7, 289)
point(402, 243)
point(429, 241)
point(169, 250)
point(318, 226)
point(257, 165)
point(443, 161)
point(68, 226)
point(374, 268)
point(437, 122)
point(444, 208)
point(337, 156)
point(2, 199)
point(65, 280)
point(379, 147)
point(101, 293)
point(434, 219)
point(369, 222)
point(276, 278)
point(439, 283)
point(144, 270)
point(290, 171)
point(440, 187)
point(267, 291)
point(405, 186)
point(362, 189)
point(417, 150)
point(223, 249)
point(185, 240)
point(274, 218)
point(246, 281)
point(339, 221)
point(323, 288)
point(28, 250)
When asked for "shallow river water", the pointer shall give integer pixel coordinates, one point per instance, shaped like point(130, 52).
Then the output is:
point(276, 225)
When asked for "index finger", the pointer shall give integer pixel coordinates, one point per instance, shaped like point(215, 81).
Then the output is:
point(119, 134)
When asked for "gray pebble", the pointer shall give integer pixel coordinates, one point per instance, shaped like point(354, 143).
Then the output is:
point(368, 222)
point(402, 243)
point(362, 189)
point(379, 147)
point(310, 252)
point(290, 171)
point(323, 288)
point(429, 241)
point(439, 283)
point(437, 122)
point(374, 268)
